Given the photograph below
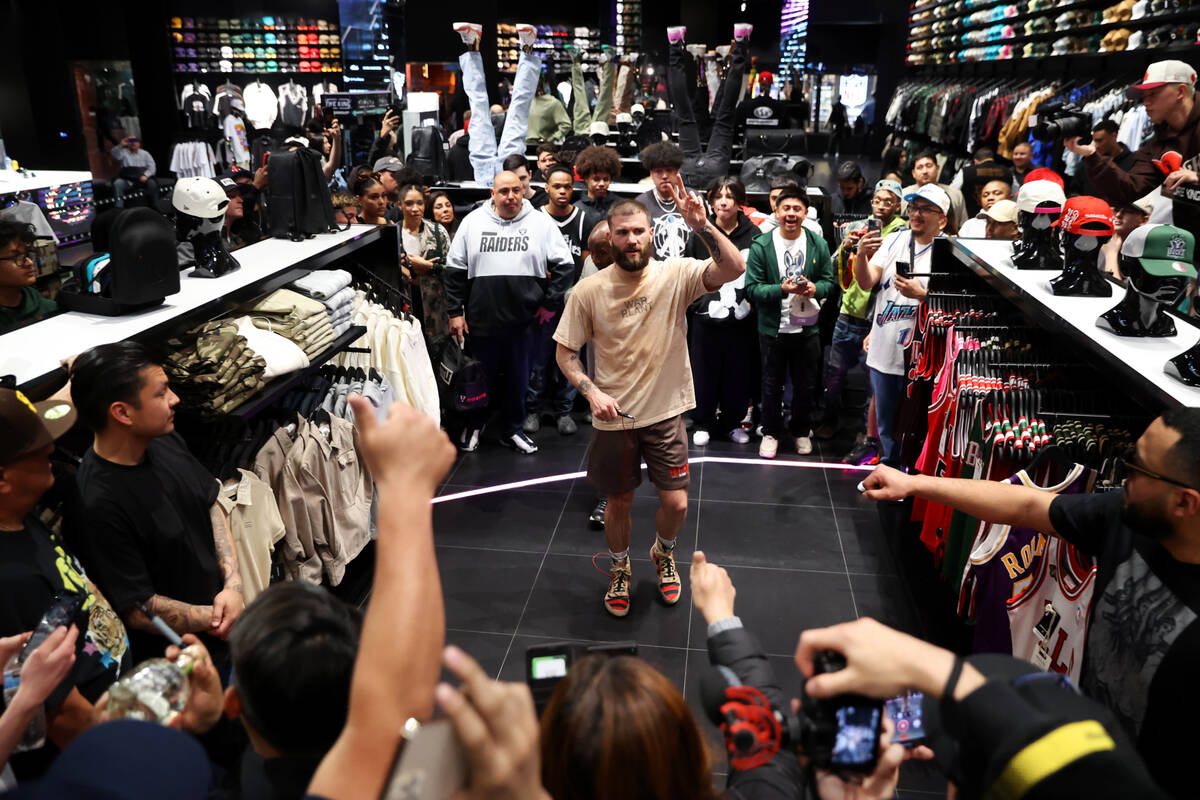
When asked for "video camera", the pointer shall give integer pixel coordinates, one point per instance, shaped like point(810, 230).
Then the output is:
point(1057, 121)
point(839, 733)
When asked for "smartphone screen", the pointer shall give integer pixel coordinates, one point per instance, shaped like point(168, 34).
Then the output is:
point(856, 747)
point(543, 667)
point(903, 269)
point(905, 713)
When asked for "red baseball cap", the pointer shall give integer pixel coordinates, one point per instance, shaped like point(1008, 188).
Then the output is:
point(1044, 174)
point(1086, 215)
point(1169, 162)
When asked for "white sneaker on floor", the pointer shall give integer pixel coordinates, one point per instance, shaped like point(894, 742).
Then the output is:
point(700, 438)
point(739, 436)
point(804, 444)
point(769, 447)
point(468, 441)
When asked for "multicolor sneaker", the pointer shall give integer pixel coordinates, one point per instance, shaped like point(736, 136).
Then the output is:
point(606, 54)
point(668, 576)
point(865, 452)
point(527, 34)
point(470, 33)
point(616, 599)
point(675, 34)
point(742, 31)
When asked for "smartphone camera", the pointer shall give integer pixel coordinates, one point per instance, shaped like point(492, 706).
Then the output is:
point(547, 664)
point(874, 225)
point(903, 269)
point(905, 713)
point(846, 728)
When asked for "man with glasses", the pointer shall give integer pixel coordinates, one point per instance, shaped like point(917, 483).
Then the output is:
point(896, 270)
point(1142, 654)
point(20, 301)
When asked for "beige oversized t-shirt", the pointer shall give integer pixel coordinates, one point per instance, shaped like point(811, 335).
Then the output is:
point(637, 325)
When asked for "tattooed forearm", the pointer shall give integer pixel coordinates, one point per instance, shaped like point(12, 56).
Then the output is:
point(586, 387)
point(181, 617)
point(226, 555)
point(709, 236)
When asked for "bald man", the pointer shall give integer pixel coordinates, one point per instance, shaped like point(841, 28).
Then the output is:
point(508, 266)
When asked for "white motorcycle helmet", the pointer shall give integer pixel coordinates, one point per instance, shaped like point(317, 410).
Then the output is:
point(203, 198)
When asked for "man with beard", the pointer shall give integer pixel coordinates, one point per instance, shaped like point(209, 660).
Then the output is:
point(1142, 651)
point(634, 316)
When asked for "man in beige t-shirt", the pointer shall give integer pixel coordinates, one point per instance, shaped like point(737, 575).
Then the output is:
point(633, 314)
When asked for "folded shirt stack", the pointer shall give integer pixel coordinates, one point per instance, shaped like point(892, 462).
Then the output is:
point(213, 369)
point(323, 283)
point(294, 316)
point(282, 355)
point(341, 309)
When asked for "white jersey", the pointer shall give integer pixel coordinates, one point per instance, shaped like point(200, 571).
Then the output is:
point(1049, 618)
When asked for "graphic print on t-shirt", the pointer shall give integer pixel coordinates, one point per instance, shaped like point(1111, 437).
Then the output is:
point(492, 242)
point(1134, 624)
point(670, 236)
point(105, 635)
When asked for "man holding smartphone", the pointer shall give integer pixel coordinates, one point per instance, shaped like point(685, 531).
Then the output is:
point(896, 264)
point(788, 274)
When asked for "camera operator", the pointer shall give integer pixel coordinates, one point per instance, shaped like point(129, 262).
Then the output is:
point(1104, 139)
point(1003, 728)
point(1167, 92)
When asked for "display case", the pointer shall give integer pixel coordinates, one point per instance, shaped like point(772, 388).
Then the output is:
point(267, 44)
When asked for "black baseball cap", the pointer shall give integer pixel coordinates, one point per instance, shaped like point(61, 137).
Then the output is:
point(228, 184)
point(26, 427)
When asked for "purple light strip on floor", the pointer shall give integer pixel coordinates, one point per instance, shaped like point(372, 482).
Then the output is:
point(567, 476)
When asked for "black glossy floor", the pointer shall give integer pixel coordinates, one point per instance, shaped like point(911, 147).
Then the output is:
point(803, 549)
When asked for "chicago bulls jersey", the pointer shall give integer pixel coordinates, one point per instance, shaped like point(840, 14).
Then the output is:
point(1008, 565)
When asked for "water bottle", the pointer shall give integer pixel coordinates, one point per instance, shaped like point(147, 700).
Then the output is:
point(60, 613)
point(156, 690)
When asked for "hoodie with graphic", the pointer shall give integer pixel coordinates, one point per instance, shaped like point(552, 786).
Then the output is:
point(502, 270)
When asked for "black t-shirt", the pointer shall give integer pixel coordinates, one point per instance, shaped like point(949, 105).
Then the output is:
point(282, 778)
point(148, 530)
point(35, 567)
point(1143, 643)
point(575, 228)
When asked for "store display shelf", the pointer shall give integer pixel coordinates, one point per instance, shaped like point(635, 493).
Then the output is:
point(33, 353)
point(1087, 30)
point(1184, 51)
point(1022, 17)
point(281, 385)
point(1138, 360)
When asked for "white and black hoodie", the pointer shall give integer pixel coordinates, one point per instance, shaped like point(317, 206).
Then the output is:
point(503, 270)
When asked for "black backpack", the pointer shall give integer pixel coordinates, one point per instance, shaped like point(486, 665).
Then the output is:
point(461, 380)
point(428, 153)
point(298, 203)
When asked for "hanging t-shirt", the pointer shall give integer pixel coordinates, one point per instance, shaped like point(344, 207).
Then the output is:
point(35, 567)
point(293, 105)
point(196, 109)
point(671, 231)
point(1143, 647)
point(637, 324)
point(894, 314)
point(237, 141)
point(791, 256)
point(262, 107)
point(575, 228)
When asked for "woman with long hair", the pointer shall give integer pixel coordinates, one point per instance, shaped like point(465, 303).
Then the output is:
point(617, 728)
point(427, 244)
point(441, 209)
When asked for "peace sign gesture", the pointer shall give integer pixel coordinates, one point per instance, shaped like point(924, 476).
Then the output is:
point(690, 206)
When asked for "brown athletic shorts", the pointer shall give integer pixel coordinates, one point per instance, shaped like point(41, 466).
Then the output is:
point(614, 460)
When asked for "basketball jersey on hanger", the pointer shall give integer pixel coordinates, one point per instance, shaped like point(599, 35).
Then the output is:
point(1007, 572)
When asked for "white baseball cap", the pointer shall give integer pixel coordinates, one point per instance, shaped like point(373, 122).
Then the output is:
point(1043, 197)
point(598, 128)
point(1003, 211)
point(933, 193)
point(1161, 73)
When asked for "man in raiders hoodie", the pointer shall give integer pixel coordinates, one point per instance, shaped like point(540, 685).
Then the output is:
point(508, 266)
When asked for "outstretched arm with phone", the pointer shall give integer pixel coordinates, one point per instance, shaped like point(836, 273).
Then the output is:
point(400, 650)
